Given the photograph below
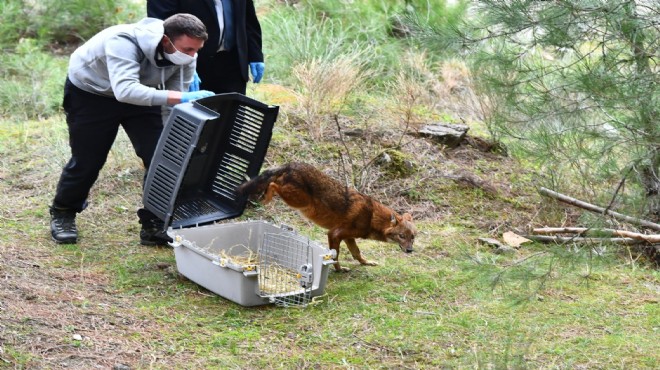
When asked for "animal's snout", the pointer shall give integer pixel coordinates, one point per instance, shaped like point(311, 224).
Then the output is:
point(405, 248)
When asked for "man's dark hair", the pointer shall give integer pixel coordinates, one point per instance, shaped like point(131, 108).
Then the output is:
point(185, 24)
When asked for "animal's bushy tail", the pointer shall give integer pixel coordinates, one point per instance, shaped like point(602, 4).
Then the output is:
point(256, 187)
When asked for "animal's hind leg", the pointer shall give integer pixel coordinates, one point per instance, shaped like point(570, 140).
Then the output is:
point(355, 252)
point(333, 243)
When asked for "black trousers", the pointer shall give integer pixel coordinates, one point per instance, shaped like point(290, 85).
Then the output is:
point(221, 72)
point(93, 123)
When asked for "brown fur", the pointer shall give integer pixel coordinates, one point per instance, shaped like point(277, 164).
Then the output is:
point(346, 213)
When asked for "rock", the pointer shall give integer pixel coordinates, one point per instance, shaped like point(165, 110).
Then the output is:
point(445, 133)
point(492, 242)
point(384, 159)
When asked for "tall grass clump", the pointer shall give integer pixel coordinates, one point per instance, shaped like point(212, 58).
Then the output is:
point(413, 87)
point(324, 87)
point(324, 29)
point(424, 88)
point(298, 37)
point(32, 74)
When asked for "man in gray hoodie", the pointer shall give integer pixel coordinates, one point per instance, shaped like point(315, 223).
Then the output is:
point(122, 76)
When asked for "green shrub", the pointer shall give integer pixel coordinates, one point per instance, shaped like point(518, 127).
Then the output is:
point(32, 81)
point(32, 75)
point(63, 22)
point(15, 22)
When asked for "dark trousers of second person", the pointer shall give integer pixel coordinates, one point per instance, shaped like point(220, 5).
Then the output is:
point(93, 123)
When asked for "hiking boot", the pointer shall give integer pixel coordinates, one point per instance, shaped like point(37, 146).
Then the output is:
point(63, 226)
point(152, 232)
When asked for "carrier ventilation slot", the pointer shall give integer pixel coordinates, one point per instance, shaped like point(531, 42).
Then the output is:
point(231, 173)
point(193, 208)
point(178, 141)
point(285, 270)
point(162, 188)
point(247, 126)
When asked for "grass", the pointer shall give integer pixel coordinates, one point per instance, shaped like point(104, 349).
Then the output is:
point(435, 308)
point(453, 303)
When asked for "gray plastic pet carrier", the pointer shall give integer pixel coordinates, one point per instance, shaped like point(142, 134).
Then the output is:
point(208, 148)
point(253, 262)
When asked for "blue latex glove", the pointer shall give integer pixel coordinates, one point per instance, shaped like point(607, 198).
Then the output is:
point(194, 95)
point(257, 69)
point(194, 85)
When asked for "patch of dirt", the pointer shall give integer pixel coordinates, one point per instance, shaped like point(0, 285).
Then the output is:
point(66, 318)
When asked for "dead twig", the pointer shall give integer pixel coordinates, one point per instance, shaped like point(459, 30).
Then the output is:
point(579, 239)
point(596, 209)
point(583, 231)
point(619, 187)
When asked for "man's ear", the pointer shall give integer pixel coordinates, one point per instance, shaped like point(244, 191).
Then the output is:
point(166, 44)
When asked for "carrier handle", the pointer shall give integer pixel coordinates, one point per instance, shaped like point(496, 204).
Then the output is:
point(246, 270)
point(329, 259)
point(251, 273)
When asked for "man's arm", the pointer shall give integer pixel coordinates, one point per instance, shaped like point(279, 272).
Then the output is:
point(253, 29)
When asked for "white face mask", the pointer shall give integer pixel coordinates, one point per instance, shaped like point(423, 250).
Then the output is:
point(179, 58)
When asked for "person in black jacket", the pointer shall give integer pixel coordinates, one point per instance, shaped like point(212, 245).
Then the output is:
point(234, 43)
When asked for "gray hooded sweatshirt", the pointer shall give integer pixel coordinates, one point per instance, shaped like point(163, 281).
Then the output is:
point(120, 62)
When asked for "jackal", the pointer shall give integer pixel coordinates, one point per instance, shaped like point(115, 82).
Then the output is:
point(345, 212)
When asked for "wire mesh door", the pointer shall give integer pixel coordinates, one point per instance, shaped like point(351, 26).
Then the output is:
point(286, 274)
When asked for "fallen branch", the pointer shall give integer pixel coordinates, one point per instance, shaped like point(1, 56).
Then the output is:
point(583, 231)
point(579, 239)
point(597, 209)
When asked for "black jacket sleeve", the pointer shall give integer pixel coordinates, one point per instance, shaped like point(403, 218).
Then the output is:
point(253, 29)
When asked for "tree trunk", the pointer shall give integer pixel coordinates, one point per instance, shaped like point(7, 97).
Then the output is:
point(649, 171)
point(650, 178)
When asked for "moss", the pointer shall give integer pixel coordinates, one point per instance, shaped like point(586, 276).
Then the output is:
point(397, 164)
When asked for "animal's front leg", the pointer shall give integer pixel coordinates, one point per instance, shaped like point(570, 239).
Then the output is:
point(355, 252)
point(271, 190)
point(333, 242)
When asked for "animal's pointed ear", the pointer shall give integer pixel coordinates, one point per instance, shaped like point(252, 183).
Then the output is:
point(407, 217)
point(393, 219)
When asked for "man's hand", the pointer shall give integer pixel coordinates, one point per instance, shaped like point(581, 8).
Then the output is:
point(194, 95)
point(257, 69)
point(194, 85)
